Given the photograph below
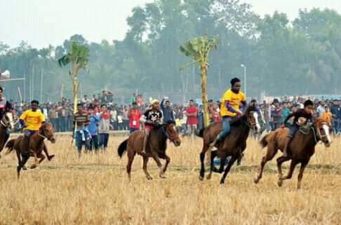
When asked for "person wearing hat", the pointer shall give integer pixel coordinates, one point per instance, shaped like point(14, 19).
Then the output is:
point(153, 117)
point(231, 104)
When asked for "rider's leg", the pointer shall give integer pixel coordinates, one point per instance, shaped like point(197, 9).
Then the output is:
point(292, 131)
point(145, 139)
point(225, 131)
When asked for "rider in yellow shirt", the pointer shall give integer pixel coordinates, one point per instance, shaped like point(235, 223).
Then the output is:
point(31, 121)
point(231, 103)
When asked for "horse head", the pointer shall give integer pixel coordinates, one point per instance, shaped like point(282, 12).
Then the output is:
point(47, 131)
point(171, 133)
point(323, 131)
point(251, 114)
point(8, 120)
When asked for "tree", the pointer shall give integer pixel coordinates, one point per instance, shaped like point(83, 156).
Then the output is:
point(199, 49)
point(78, 57)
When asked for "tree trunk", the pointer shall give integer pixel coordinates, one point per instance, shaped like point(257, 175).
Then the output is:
point(75, 85)
point(204, 97)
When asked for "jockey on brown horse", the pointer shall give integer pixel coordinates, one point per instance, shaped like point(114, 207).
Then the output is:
point(31, 121)
point(231, 103)
point(301, 117)
point(299, 146)
point(153, 117)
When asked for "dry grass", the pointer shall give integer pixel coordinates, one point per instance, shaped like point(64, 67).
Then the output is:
point(95, 190)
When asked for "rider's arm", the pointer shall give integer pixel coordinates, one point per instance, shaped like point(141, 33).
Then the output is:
point(230, 108)
point(288, 118)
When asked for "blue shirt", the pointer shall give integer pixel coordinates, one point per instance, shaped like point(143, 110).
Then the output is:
point(93, 125)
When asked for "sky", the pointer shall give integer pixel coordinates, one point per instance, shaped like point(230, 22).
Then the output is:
point(44, 22)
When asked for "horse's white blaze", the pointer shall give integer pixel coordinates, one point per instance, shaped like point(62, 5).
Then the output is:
point(326, 131)
point(10, 119)
point(255, 115)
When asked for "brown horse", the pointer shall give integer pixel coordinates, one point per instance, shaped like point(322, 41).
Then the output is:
point(6, 124)
point(233, 145)
point(300, 149)
point(156, 147)
point(36, 146)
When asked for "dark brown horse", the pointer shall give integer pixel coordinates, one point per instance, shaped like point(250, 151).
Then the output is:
point(300, 149)
point(156, 147)
point(233, 145)
point(36, 146)
point(6, 124)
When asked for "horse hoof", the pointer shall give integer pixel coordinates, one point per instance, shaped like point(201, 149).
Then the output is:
point(50, 157)
point(24, 168)
point(222, 182)
point(208, 177)
point(201, 178)
point(149, 178)
point(256, 180)
point(33, 166)
point(280, 183)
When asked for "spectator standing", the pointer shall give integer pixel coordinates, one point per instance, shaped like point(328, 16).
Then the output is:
point(134, 116)
point(192, 118)
point(104, 127)
point(93, 128)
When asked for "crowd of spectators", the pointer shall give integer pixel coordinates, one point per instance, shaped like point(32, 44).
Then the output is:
point(188, 116)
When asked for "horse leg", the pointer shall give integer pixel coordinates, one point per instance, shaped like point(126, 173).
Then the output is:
point(131, 155)
point(291, 171)
point(300, 175)
point(230, 164)
point(271, 152)
point(166, 157)
point(281, 160)
point(213, 155)
point(202, 161)
point(22, 162)
point(145, 161)
point(158, 162)
point(49, 157)
point(34, 165)
point(42, 157)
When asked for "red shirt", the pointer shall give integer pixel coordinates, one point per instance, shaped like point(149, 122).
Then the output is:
point(105, 115)
point(192, 119)
point(134, 118)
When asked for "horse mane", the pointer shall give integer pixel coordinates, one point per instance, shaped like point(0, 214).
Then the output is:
point(250, 108)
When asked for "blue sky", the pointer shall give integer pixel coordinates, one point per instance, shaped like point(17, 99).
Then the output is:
point(43, 22)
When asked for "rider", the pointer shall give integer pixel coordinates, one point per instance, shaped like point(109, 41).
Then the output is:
point(153, 117)
point(5, 106)
point(31, 121)
point(232, 102)
point(301, 117)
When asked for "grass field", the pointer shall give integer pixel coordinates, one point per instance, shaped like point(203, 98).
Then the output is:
point(95, 190)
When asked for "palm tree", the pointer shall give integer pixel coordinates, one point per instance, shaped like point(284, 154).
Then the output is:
point(199, 49)
point(78, 57)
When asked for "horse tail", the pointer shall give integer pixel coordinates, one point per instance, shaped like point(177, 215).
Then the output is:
point(264, 140)
point(122, 148)
point(10, 146)
point(200, 133)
